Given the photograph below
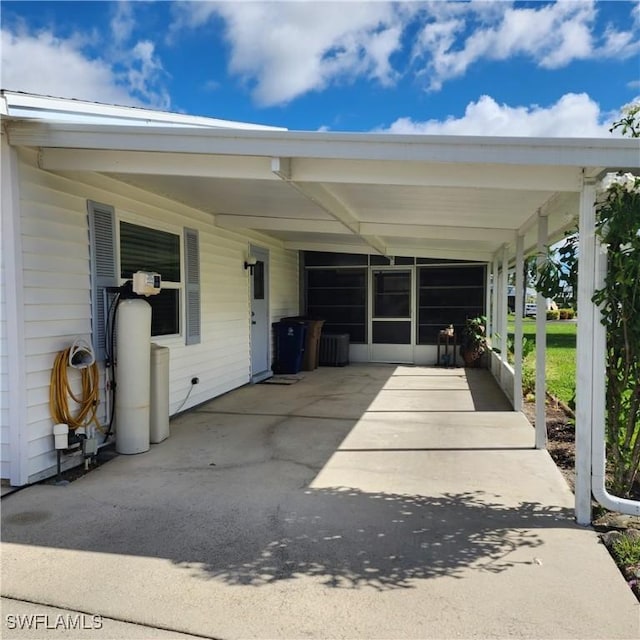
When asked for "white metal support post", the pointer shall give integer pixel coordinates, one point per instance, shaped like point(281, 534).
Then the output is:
point(494, 301)
point(504, 307)
point(584, 352)
point(541, 342)
point(487, 306)
point(518, 333)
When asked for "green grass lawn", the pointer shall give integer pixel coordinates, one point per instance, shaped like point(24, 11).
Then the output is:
point(561, 356)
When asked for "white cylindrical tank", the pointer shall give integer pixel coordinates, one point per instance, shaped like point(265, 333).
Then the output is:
point(133, 345)
point(159, 422)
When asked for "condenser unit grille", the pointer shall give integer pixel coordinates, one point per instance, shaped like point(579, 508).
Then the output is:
point(334, 349)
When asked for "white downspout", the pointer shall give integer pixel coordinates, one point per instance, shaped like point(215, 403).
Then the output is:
point(541, 342)
point(598, 437)
point(517, 339)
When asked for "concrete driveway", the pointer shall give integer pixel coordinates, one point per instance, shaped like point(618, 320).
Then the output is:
point(364, 502)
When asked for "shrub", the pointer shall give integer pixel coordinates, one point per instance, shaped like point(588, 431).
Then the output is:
point(563, 314)
point(553, 314)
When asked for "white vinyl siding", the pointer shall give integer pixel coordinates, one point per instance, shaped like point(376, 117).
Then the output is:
point(58, 293)
point(5, 438)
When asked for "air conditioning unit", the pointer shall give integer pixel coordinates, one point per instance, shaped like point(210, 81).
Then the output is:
point(334, 350)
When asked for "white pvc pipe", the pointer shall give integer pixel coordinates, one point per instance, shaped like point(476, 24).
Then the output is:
point(541, 343)
point(598, 402)
point(518, 333)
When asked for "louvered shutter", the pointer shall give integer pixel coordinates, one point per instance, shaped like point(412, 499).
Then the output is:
point(102, 237)
point(192, 286)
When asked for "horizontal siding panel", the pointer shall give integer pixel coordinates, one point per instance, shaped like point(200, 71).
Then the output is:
point(36, 197)
point(56, 264)
point(49, 312)
point(52, 280)
point(45, 221)
point(42, 295)
point(68, 328)
point(52, 344)
point(51, 248)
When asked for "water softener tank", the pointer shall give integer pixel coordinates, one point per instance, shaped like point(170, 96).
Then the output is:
point(133, 348)
point(159, 422)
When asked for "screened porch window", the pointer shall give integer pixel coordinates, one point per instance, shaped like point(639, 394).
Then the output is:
point(146, 249)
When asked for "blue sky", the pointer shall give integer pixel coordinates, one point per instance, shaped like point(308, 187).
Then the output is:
point(513, 68)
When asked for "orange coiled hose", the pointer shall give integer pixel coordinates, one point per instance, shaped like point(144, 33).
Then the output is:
point(60, 391)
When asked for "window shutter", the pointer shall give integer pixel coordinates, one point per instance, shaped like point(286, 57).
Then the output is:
point(102, 237)
point(192, 286)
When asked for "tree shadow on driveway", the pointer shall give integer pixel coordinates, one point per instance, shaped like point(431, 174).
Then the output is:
point(349, 539)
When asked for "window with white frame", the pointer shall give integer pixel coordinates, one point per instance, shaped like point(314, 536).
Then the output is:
point(141, 248)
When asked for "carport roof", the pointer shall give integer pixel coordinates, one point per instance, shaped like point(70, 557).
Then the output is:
point(455, 197)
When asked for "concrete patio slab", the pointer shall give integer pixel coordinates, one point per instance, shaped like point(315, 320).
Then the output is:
point(289, 511)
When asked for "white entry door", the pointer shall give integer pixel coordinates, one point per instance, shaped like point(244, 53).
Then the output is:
point(260, 330)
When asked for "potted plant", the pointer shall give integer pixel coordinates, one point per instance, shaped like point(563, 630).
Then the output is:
point(473, 340)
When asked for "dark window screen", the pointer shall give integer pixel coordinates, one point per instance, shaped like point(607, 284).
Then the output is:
point(145, 249)
point(339, 297)
point(165, 306)
point(258, 280)
point(392, 294)
point(391, 332)
point(448, 294)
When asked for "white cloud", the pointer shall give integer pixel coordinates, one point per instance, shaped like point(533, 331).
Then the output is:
point(122, 22)
point(550, 35)
point(42, 63)
point(573, 115)
point(284, 50)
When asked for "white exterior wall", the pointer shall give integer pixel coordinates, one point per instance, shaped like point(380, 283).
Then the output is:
point(5, 467)
point(58, 301)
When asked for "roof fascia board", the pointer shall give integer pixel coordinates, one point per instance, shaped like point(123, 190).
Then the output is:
point(337, 171)
point(609, 153)
point(443, 254)
point(150, 163)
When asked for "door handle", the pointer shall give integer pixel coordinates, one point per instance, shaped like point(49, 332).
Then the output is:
point(253, 322)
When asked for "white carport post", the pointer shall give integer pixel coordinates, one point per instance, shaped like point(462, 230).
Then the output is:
point(494, 301)
point(518, 333)
point(584, 348)
point(504, 307)
point(541, 341)
point(487, 305)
